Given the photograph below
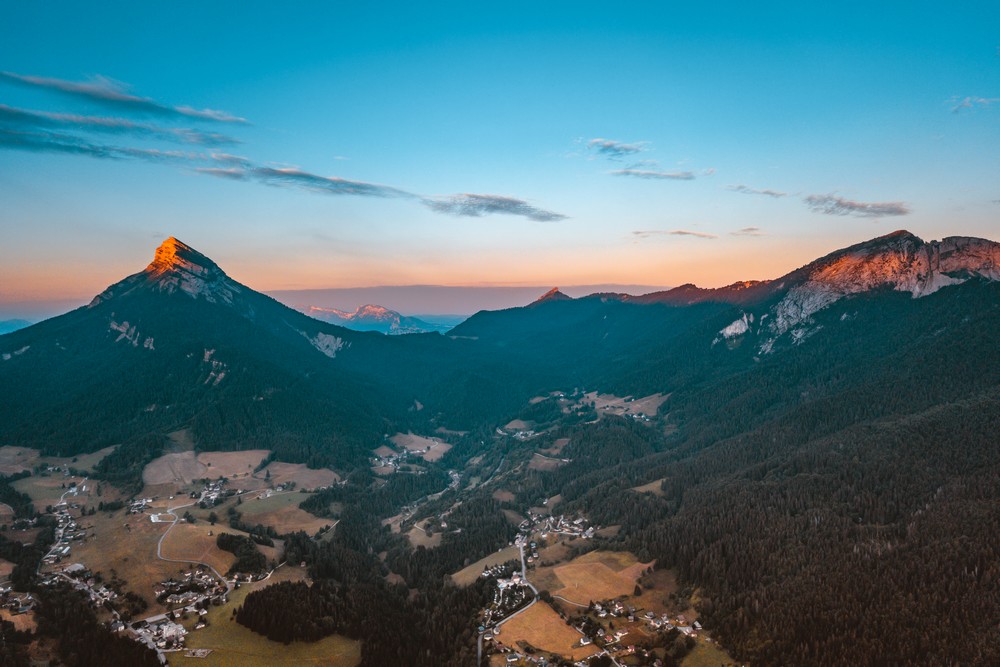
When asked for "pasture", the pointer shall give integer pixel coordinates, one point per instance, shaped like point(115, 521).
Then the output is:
point(15, 459)
point(431, 449)
point(303, 477)
point(282, 512)
point(651, 487)
point(598, 575)
point(233, 645)
point(541, 627)
point(544, 463)
point(469, 574)
point(180, 469)
point(418, 538)
point(191, 541)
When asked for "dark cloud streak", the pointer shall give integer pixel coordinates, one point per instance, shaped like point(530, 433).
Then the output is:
point(14, 118)
point(478, 205)
point(673, 232)
point(615, 149)
point(833, 205)
point(747, 190)
point(112, 94)
point(655, 175)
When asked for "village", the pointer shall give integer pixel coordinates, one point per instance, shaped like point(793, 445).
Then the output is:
point(609, 627)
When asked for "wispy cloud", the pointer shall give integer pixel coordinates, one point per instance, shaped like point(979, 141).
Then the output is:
point(324, 184)
point(62, 133)
point(14, 118)
point(615, 149)
point(52, 142)
point(647, 233)
point(297, 178)
point(655, 175)
point(833, 205)
point(747, 190)
point(114, 95)
point(477, 205)
point(233, 173)
point(960, 104)
point(748, 231)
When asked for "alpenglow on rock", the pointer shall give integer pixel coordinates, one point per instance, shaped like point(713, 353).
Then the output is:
point(177, 267)
point(899, 260)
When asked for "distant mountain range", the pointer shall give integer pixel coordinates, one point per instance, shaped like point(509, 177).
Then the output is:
point(431, 302)
point(376, 318)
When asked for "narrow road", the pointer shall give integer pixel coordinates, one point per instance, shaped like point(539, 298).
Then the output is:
point(172, 511)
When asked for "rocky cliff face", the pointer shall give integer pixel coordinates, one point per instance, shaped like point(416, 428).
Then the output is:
point(900, 261)
point(177, 267)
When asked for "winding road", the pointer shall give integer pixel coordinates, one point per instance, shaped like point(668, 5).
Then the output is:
point(172, 511)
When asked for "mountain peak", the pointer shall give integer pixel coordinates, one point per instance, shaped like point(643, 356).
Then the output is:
point(177, 267)
point(553, 295)
point(175, 255)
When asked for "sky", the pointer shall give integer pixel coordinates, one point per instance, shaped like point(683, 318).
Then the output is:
point(330, 145)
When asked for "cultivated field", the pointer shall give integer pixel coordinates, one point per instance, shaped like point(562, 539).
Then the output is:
point(15, 459)
point(418, 443)
point(652, 487)
point(233, 645)
point(182, 468)
point(191, 541)
point(22, 622)
point(178, 469)
point(6, 567)
point(503, 496)
point(617, 405)
point(282, 512)
point(418, 537)
point(304, 478)
point(707, 654)
point(47, 490)
point(233, 464)
point(469, 574)
point(542, 628)
point(544, 463)
point(556, 447)
point(130, 552)
point(598, 575)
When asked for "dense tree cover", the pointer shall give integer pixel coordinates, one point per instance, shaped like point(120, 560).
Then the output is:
point(475, 529)
point(27, 558)
point(249, 559)
point(19, 502)
point(430, 628)
point(382, 496)
point(123, 467)
point(65, 615)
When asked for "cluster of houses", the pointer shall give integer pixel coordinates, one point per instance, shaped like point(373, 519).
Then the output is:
point(511, 594)
point(382, 458)
point(139, 505)
point(546, 524)
point(16, 603)
point(67, 531)
point(212, 492)
point(160, 633)
point(193, 587)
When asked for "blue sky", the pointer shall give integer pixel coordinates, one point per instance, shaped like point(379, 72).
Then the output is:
point(502, 144)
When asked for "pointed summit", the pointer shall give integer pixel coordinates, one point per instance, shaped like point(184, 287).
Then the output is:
point(174, 255)
point(552, 295)
point(177, 267)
